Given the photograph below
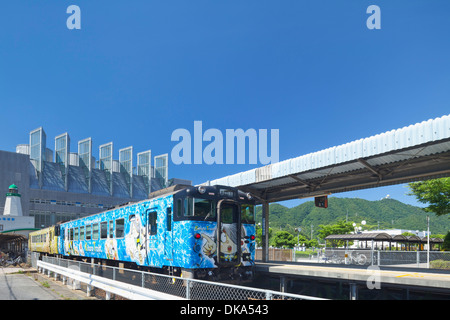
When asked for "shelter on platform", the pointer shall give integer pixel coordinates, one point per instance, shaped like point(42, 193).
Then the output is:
point(372, 240)
point(408, 242)
point(366, 240)
point(12, 242)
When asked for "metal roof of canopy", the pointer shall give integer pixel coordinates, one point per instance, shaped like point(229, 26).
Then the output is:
point(381, 236)
point(9, 237)
point(401, 238)
point(378, 236)
point(416, 152)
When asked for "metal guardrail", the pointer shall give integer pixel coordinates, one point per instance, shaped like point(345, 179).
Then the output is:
point(134, 284)
point(122, 289)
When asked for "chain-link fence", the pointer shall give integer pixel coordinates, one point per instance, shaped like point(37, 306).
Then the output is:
point(417, 259)
point(192, 289)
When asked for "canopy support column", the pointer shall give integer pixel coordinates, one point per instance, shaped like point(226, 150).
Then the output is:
point(265, 232)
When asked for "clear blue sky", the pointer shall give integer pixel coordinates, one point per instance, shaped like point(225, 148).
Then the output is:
point(138, 70)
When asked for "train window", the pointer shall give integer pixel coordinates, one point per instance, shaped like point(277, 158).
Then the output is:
point(188, 207)
point(169, 219)
point(178, 208)
point(111, 229)
point(104, 230)
point(247, 213)
point(227, 213)
point(70, 234)
point(95, 231)
point(201, 208)
point(82, 233)
point(120, 227)
point(88, 232)
point(152, 227)
point(75, 234)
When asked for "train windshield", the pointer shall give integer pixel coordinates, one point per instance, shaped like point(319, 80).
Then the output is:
point(200, 208)
point(205, 209)
point(247, 213)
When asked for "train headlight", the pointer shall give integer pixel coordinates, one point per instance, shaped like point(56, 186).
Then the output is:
point(197, 236)
point(252, 237)
point(201, 190)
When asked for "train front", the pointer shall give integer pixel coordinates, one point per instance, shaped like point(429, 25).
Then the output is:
point(214, 233)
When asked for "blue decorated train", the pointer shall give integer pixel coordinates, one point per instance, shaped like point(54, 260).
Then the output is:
point(200, 232)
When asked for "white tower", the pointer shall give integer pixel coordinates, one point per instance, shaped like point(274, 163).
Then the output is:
point(13, 206)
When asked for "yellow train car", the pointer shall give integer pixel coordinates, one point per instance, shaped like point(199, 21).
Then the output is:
point(44, 240)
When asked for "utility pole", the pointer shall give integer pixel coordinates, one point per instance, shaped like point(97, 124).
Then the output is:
point(428, 242)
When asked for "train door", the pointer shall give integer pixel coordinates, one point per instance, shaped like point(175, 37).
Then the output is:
point(152, 240)
point(50, 241)
point(228, 233)
point(168, 237)
point(61, 238)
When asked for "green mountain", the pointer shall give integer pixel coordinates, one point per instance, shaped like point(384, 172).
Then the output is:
point(385, 213)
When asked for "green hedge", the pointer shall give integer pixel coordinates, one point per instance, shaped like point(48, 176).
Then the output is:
point(440, 264)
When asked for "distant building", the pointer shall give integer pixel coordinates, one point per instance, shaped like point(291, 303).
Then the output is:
point(14, 227)
point(13, 206)
point(75, 184)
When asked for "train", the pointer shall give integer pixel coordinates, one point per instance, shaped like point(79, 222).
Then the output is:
point(202, 232)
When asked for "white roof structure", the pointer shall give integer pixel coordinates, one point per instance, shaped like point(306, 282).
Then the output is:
point(416, 152)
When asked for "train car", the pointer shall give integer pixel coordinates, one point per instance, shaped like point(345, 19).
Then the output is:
point(201, 232)
point(44, 241)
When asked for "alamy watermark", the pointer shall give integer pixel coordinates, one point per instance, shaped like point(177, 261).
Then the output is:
point(374, 279)
point(73, 22)
point(235, 143)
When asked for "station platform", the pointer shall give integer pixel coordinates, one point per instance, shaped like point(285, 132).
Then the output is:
point(417, 277)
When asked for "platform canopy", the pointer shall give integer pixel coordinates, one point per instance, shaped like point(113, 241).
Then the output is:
point(378, 236)
point(8, 237)
point(381, 236)
point(416, 152)
point(415, 239)
point(12, 242)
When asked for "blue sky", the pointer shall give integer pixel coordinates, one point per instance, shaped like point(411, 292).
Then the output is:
point(138, 70)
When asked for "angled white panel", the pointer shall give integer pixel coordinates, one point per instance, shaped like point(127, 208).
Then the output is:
point(248, 177)
point(280, 169)
point(323, 158)
point(349, 151)
point(441, 128)
point(234, 180)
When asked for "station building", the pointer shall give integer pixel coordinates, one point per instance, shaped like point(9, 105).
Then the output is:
point(65, 185)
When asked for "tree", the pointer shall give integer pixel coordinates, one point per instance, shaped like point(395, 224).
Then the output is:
point(283, 239)
point(341, 227)
point(259, 239)
point(435, 192)
point(446, 244)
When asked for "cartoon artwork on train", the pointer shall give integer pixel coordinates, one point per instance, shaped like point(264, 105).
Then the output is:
point(206, 245)
point(111, 249)
point(228, 247)
point(135, 240)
